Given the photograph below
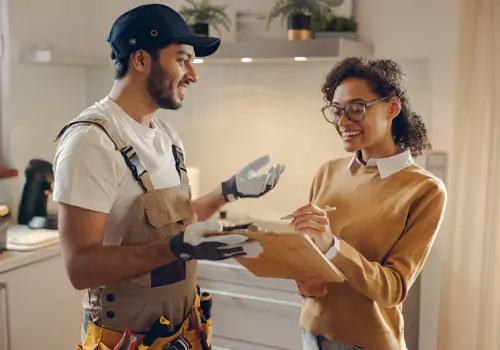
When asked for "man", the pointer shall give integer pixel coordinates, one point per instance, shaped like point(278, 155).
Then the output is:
point(129, 231)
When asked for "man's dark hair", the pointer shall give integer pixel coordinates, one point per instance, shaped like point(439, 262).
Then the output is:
point(121, 64)
point(385, 78)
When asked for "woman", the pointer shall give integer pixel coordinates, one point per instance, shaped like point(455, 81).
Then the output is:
point(388, 211)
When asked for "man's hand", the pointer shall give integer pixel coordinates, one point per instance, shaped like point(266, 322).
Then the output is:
point(192, 244)
point(313, 222)
point(246, 183)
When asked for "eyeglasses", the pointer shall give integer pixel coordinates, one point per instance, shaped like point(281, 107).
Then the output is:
point(354, 111)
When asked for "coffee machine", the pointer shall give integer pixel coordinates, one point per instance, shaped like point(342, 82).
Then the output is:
point(37, 189)
point(5, 217)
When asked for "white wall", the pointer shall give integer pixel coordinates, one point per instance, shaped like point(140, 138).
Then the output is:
point(61, 25)
point(419, 29)
point(43, 99)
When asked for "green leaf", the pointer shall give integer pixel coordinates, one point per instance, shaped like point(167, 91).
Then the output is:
point(205, 12)
point(282, 9)
point(320, 10)
point(192, 3)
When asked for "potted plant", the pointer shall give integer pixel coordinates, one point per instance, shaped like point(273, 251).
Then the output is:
point(203, 15)
point(301, 16)
point(339, 24)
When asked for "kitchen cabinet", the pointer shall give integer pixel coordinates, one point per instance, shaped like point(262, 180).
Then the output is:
point(38, 306)
point(250, 313)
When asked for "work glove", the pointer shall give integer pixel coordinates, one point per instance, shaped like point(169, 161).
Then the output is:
point(192, 244)
point(246, 183)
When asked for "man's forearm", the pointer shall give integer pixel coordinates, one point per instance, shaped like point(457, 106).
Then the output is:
point(98, 265)
point(205, 207)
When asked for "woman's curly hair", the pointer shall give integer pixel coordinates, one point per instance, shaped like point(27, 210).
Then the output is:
point(385, 78)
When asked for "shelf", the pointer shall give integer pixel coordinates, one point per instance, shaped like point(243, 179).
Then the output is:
point(324, 48)
point(49, 57)
point(280, 50)
point(8, 173)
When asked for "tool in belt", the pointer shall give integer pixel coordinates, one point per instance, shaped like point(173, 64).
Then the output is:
point(161, 328)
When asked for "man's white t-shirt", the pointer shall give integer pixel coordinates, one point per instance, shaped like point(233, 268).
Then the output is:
point(90, 173)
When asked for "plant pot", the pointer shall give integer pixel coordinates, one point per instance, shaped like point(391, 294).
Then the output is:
point(200, 29)
point(299, 27)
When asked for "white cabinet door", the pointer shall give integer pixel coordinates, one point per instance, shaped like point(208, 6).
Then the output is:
point(43, 307)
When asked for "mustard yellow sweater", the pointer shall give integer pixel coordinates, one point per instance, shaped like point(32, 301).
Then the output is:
point(386, 228)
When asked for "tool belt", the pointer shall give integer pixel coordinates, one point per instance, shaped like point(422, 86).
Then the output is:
point(195, 332)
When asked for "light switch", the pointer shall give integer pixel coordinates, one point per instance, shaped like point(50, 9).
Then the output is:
point(437, 164)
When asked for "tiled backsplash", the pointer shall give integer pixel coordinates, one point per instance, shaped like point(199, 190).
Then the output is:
point(235, 113)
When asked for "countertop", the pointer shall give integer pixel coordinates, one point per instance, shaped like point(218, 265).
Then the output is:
point(10, 260)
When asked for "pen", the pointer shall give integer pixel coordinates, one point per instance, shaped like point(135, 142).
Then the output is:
point(290, 216)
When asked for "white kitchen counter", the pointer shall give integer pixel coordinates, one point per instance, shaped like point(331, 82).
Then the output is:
point(10, 260)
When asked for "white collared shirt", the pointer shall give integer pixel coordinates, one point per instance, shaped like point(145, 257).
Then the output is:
point(386, 167)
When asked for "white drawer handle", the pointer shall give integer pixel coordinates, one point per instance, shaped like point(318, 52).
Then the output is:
point(219, 348)
point(251, 297)
point(224, 265)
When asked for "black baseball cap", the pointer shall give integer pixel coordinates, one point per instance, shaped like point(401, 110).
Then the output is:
point(155, 26)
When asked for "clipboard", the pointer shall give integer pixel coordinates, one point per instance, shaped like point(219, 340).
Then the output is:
point(287, 255)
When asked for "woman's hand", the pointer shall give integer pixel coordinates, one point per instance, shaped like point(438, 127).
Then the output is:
point(313, 222)
point(312, 289)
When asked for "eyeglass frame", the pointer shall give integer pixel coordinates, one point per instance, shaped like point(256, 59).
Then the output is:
point(344, 110)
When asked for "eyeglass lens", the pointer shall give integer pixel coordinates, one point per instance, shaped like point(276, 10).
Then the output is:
point(355, 111)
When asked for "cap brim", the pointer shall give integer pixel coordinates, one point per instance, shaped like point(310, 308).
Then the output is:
point(203, 45)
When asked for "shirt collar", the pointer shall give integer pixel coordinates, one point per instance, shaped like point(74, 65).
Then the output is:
point(386, 166)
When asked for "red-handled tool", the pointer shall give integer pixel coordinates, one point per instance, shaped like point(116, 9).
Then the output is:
point(128, 341)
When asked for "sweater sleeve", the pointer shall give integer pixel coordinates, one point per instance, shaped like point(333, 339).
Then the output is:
point(387, 283)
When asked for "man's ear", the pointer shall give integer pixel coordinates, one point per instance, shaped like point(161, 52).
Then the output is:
point(140, 60)
point(394, 107)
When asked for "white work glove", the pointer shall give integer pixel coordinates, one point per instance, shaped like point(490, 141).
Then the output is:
point(247, 183)
point(191, 244)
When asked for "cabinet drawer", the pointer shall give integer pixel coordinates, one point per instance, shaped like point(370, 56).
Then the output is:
point(231, 271)
point(255, 322)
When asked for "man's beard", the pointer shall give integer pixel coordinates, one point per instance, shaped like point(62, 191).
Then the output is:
point(156, 79)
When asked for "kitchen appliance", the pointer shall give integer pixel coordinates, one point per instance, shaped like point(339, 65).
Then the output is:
point(4, 225)
point(38, 185)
